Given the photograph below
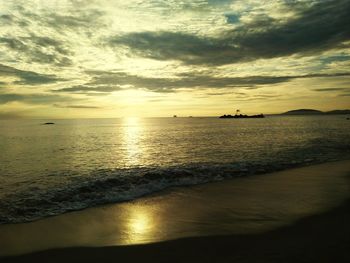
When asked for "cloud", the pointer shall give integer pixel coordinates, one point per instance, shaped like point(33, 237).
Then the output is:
point(166, 85)
point(13, 43)
point(323, 26)
point(27, 77)
point(225, 93)
point(32, 98)
point(183, 81)
point(57, 45)
point(201, 49)
point(80, 19)
point(331, 89)
point(256, 97)
point(107, 82)
point(77, 106)
point(232, 18)
point(340, 92)
point(39, 35)
point(10, 19)
point(6, 19)
point(88, 89)
point(40, 49)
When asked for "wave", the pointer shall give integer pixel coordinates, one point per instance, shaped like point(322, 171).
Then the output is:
point(116, 185)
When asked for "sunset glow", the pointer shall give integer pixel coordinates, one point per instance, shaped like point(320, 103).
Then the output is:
point(72, 58)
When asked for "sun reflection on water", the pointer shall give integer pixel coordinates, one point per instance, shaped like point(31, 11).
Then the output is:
point(132, 132)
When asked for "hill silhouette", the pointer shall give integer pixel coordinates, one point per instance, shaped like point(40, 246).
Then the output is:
point(315, 112)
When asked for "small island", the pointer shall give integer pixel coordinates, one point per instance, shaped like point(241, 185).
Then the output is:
point(238, 115)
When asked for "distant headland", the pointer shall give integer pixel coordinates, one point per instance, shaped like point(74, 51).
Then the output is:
point(315, 112)
point(298, 112)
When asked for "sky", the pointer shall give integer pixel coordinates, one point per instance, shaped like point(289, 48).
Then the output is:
point(117, 58)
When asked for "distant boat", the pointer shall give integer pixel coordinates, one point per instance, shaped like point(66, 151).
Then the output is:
point(238, 115)
point(49, 123)
point(174, 116)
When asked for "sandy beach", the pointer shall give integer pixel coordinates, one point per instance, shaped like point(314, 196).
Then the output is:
point(297, 215)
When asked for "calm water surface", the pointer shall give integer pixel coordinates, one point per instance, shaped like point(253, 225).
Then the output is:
point(50, 169)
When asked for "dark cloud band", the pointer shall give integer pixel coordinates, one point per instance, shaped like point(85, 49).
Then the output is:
point(32, 98)
point(107, 82)
point(28, 77)
point(323, 26)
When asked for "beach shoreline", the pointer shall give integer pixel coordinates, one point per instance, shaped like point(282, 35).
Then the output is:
point(318, 238)
point(277, 211)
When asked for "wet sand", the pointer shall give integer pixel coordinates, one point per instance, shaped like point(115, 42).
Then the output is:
point(299, 215)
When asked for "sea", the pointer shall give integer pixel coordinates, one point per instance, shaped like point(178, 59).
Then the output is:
point(47, 170)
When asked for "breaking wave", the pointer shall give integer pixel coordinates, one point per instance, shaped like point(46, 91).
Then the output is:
point(116, 185)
